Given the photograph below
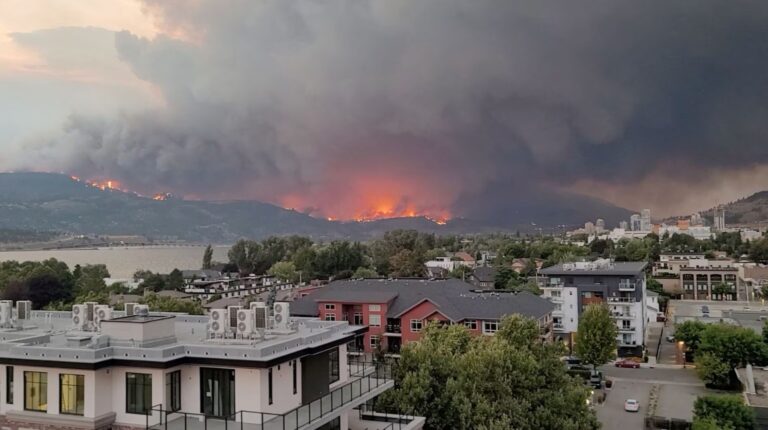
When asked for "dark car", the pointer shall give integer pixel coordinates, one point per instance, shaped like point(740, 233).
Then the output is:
point(628, 364)
point(596, 379)
point(705, 309)
point(670, 338)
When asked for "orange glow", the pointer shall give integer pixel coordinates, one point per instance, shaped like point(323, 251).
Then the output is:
point(106, 184)
point(161, 196)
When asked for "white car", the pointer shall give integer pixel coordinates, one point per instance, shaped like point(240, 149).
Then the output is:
point(631, 405)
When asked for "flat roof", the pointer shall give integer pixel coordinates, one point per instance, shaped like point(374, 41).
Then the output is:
point(616, 268)
point(50, 339)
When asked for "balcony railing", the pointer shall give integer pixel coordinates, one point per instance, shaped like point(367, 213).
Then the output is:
point(626, 329)
point(558, 326)
point(621, 299)
point(623, 315)
point(393, 328)
point(368, 379)
point(555, 299)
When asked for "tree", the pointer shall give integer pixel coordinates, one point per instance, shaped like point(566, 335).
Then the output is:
point(284, 271)
point(708, 424)
point(168, 304)
point(208, 257)
point(364, 272)
point(175, 280)
point(765, 332)
point(690, 333)
point(511, 380)
point(46, 288)
point(758, 251)
point(503, 276)
point(712, 370)
point(528, 286)
point(736, 346)
point(596, 335)
point(728, 411)
point(406, 263)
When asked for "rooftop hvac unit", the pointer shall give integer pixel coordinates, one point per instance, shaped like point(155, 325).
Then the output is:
point(244, 322)
point(218, 321)
point(103, 312)
point(233, 315)
point(141, 310)
point(90, 308)
point(79, 316)
point(260, 317)
point(130, 309)
point(6, 312)
point(23, 310)
point(255, 305)
point(281, 315)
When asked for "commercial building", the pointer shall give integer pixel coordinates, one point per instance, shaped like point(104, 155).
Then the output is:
point(704, 279)
point(239, 368)
point(620, 285)
point(397, 310)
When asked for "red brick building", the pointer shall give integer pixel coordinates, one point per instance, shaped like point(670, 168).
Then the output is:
point(396, 311)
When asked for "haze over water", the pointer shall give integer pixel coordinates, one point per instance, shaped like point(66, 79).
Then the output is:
point(122, 262)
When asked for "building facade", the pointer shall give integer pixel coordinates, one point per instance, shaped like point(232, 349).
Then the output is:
point(397, 311)
point(621, 285)
point(182, 372)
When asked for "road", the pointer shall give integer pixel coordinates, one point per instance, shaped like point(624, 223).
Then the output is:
point(678, 389)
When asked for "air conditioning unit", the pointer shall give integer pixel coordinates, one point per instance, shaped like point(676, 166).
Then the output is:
point(281, 315)
point(103, 312)
point(141, 310)
point(260, 317)
point(244, 322)
point(6, 312)
point(23, 310)
point(219, 321)
point(90, 309)
point(130, 309)
point(232, 310)
point(255, 305)
point(79, 316)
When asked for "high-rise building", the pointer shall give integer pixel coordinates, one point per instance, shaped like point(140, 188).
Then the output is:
point(645, 220)
point(696, 219)
point(624, 225)
point(719, 218)
point(634, 222)
point(589, 228)
point(600, 225)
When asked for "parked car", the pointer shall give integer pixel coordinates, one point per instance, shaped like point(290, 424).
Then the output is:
point(660, 317)
point(628, 364)
point(705, 310)
point(571, 362)
point(670, 338)
point(596, 379)
point(631, 405)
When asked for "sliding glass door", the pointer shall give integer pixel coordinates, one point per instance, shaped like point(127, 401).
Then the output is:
point(217, 391)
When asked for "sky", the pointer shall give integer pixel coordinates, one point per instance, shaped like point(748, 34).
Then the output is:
point(366, 108)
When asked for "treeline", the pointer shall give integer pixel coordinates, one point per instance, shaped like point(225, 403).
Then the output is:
point(50, 284)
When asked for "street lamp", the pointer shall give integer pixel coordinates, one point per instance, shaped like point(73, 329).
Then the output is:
point(681, 351)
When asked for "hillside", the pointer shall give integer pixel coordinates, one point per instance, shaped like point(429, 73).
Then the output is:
point(55, 202)
point(751, 210)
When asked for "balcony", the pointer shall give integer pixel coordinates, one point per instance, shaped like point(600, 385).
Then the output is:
point(392, 329)
point(558, 326)
point(368, 382)
point(623, 315)
point(555, 299)
point(627, 286)
point(621, 299)
point(626, 329)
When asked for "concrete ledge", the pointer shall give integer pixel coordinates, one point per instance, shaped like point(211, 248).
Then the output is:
point(43, 420)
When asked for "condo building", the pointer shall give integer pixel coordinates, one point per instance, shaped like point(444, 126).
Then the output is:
point(239, 368)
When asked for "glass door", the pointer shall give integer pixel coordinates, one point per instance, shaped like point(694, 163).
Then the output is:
point(217, 391)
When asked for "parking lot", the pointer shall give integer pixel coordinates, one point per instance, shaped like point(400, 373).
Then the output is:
point(677, 390)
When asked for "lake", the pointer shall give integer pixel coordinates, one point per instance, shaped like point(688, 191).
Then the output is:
point(122, 262)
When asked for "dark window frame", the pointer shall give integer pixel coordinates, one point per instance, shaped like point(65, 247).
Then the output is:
point(173, 390)
point(9, 376)
point(270, 386)
point(295, 377)
point(143, 377)
point(79, 393)
point(333, 366)
point(42, 387)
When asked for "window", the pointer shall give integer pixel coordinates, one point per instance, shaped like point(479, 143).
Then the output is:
point(333, 365)
point(138, 393)
point(36, 391)
point(374, 342)
point(416, 325)
point(330, 307)
point(330, 317)
point(9, 385)
point(269, 385)
point(374, 308)
point(472, 325)
point(173, 390)
point(358, 318)
point(71, 394)
point(374, 320)
point(295, 376)
point(490, 327)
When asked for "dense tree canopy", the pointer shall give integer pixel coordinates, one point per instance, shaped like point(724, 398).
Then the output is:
point(596, 335)
point(726, 411)
point(511, 380)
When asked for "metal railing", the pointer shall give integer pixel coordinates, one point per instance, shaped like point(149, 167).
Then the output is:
point(393, 328)
point(621, 299)
point(626, 286)
point(397, 421)
point(368, 377)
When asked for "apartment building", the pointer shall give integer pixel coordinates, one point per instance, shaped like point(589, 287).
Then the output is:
point(621, 285)
point(670, 262)
point(255, 368)
point(397, 310)
point(711, 280)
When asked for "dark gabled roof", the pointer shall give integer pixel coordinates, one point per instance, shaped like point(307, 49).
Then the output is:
point(485, 274)
point(452, 297)
point(620, 268)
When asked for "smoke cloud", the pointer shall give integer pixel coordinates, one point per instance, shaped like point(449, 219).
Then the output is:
point(352, 108)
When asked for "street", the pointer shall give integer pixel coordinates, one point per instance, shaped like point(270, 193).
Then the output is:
point(677, 390)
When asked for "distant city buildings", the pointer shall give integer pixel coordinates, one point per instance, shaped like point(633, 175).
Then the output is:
point(719, 218)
